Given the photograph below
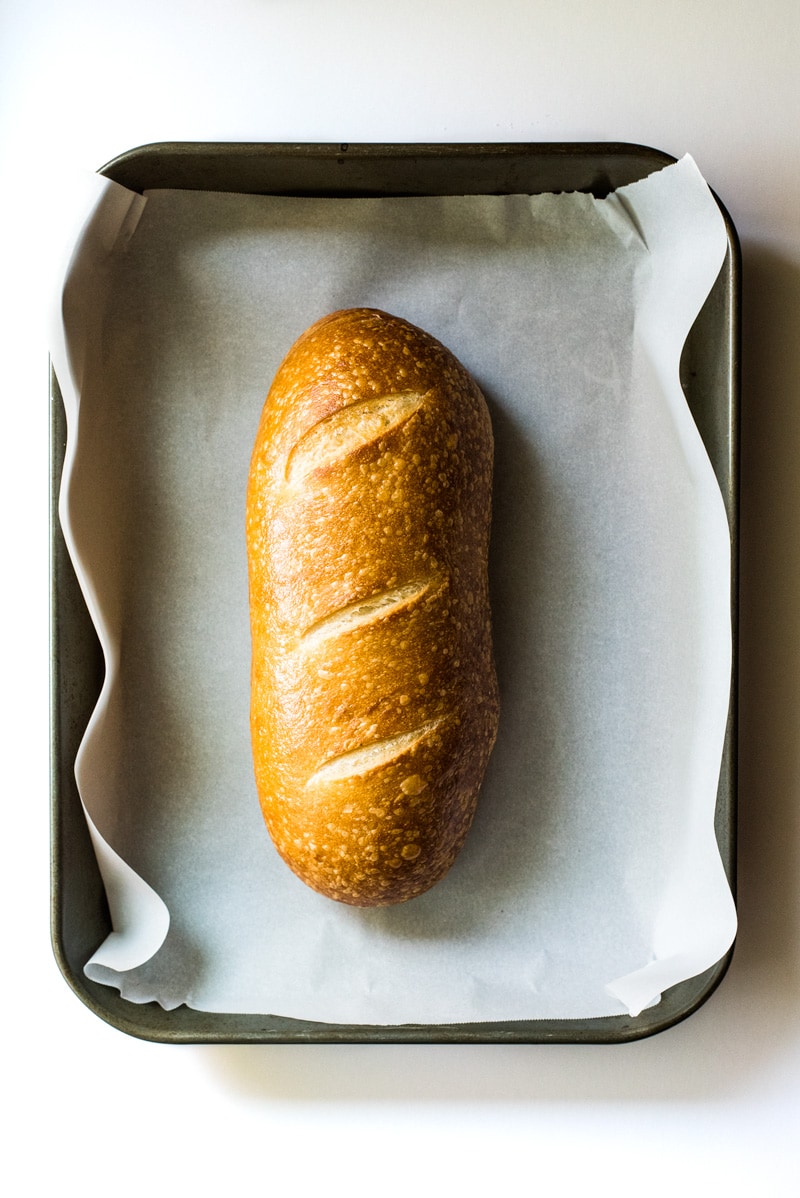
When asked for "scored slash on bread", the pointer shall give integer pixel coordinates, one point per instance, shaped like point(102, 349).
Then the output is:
point(365, 611)
point(349, 429)
point(370, 756)
point(373, 692)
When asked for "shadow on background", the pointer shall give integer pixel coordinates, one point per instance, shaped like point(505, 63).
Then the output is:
point(731, 1042)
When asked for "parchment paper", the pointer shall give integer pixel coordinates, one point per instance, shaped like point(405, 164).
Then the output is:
point(591, 879)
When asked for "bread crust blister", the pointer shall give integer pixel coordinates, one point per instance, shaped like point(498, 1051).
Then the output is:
point(374, 700)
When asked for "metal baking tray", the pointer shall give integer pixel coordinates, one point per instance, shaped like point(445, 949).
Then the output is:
point(710, 377)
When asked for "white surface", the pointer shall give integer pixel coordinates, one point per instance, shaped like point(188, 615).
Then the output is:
point(716, 1097)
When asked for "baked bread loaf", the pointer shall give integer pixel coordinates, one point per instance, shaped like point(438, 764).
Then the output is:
point(374, 695)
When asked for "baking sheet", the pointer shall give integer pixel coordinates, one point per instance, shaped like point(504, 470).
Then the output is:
point(593, 852)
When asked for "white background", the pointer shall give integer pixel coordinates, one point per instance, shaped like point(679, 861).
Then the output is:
point(714, 1101)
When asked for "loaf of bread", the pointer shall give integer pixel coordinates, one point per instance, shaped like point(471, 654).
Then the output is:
point(374, 696)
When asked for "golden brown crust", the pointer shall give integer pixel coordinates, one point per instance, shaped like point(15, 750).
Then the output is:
point(374, 697)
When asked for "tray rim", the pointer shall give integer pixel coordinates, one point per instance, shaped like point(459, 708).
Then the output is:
point(184, 1025)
